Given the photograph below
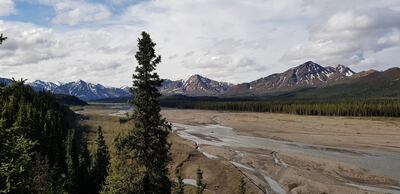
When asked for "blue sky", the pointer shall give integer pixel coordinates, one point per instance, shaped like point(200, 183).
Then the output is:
point(226, 40)
point(31, 12)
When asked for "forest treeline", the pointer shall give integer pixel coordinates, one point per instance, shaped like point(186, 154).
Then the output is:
point(42, 148)
point(373, 107)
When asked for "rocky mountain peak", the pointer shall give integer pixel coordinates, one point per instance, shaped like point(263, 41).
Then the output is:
point(344, 70)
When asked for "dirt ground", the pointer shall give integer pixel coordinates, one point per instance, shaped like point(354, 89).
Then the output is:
point(221, 177)
point(371, 133)
point(300, 174)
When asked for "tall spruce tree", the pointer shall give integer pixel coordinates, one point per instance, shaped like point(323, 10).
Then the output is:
point(147, 142)
point(101, 161)
point(149, 138)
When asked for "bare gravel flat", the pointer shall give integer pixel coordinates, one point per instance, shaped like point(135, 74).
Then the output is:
point(351, 132)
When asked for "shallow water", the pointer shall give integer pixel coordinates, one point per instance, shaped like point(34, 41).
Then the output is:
point(380, 162)
point(274, 185)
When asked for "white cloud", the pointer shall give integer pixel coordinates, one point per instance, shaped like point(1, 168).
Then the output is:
point(348, 37)
point(7, 7)
point(231, 30)
point(77, 11)
point(35, 52)
point(228, 40)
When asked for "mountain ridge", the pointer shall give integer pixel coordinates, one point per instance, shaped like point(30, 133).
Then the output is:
point(306, 75)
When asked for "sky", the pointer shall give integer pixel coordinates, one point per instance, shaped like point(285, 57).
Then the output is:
point(226, 40)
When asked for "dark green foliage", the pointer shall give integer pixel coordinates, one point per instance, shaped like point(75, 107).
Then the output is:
point(85, 178)
point(72, 160)
point(41, 152)
point(379, 107)
point(15, 159)
point(180, 186)
point(242, 186)
point(199, 182)
point(101, 161)
point(42, 181)
point(144, 148)
point(70, 100)
point(78, 162)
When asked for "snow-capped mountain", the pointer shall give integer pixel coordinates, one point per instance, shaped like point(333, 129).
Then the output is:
point(305, 75)
point(40, 85)
point(308, 74)
point(80, 89)
point(195, 85)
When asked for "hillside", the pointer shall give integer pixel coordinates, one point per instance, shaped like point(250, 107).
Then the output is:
point(384, 84)
point(70, 100)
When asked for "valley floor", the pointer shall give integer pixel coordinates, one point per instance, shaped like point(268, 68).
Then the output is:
point(196, 141)
point(351, 132)
point(221, 176)
point(349, 139)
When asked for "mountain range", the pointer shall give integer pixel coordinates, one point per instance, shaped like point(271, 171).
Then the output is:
point(81, 89)
point(307, 75)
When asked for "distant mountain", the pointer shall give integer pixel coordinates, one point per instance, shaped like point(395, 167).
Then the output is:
point(89, 91)
point(39, 85)
point(308, 74)
point(363, 85)
point(195, 85)
point(306, 79)
point(5, 81)
point(81, 89)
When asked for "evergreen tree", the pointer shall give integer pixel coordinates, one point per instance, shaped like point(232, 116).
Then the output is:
point(145, 146)
point(199, 182)
point(85, 182)
point(15, 159)
point(72, 159)
point(180, 186)
point(148, 141)
point(40, 150)
point(41, 181)
point(242, 186)
point(101, 161)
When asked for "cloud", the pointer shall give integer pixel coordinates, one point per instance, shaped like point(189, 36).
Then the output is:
point(228, 40)
point(231, 30)
point(348, 37)
point(225, 67)
point(27, 44)
point(76, 11)
point(7, 7)
point(35, 52)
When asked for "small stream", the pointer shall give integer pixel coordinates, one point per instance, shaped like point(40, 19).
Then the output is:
point(380, 162)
